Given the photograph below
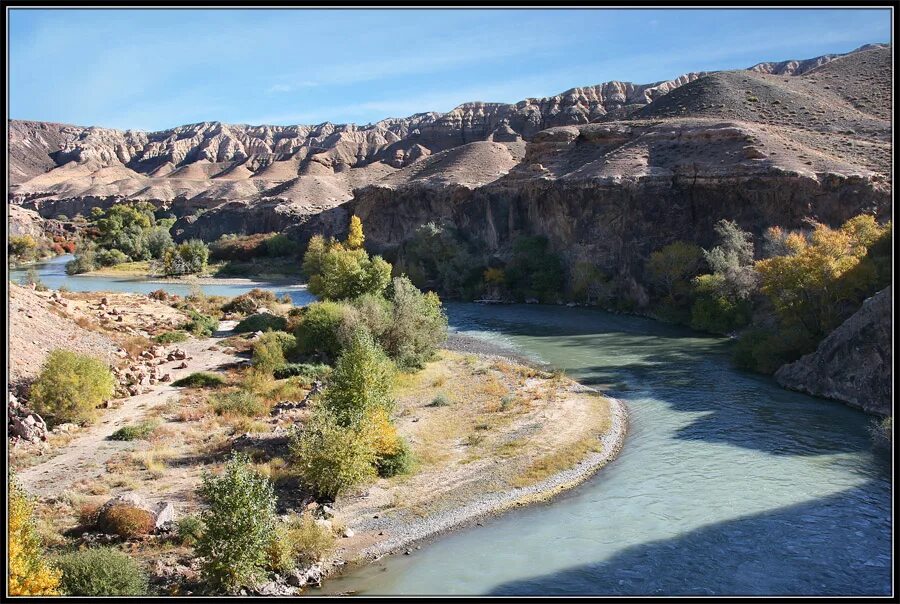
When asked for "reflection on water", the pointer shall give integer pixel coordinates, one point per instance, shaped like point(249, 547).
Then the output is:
point(727, 484)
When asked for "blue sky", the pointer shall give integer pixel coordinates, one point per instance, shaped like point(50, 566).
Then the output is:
point(155, 69)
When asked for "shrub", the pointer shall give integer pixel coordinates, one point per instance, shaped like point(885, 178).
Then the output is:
point(126, 521)
point(84, 262)
point(170, 337)
point(300, 540)
point(331, 458)
point(238, 402)
point(189, 530)
point(186, 258)
point(418, 325)
point(361, 381)
point(308, 372)
point(70, 386)
point(441, 400)
point(23, 246)
point(401, 461)
point(102, 571)
point(318, 330)
point(436, 256)
point(201, 325)
point(671, 268)
point(238, 247)
point(158, 241)
point(137, 431)
point(238, 522)
point(270, 350)
point(249, 302)
point(280, 245)
point(28, 573)
point(109, 258)
point(714, 312)
point(200, 379)
point(534, 271)
point(261, 322)
point(765, 351)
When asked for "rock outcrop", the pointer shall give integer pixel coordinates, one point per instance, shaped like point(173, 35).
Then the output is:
point(853, 364)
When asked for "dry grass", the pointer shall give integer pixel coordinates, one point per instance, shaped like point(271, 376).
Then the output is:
point(154, 460)
point(557, 461)
point(135, 345)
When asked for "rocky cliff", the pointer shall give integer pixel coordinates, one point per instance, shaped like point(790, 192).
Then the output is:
point(853, 364)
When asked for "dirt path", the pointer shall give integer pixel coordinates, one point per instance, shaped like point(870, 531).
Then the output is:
point(86, 455)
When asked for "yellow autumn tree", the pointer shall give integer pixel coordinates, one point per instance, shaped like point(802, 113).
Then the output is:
point(822, 273)
point(29, 572)
point(355, 236)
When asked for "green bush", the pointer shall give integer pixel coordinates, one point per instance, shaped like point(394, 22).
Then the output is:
point(250, 302)
point(186, 258)
point(361, 381)
point(533, 270)
point(110, 258)
point(308, 372)
point(158, 241)
point(715, 311)
point(238, 524)
point(418, 325)
point(764, 351)
point(441, 400)
point(261, 322)
point(399, 462)
point(189, 529)
point(170, 337)
point(201, 379)
point(137, 431)
point(84, 262)
point(318, 329)
point(270, 350)
point(200, 324)
point(299, 541)
point(101, 571)
point(70, 386)
point(331, 458)
point(280, 245)
point(238, 402)
point(437, 257)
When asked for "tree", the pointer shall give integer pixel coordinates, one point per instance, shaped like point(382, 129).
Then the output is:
point(337, 273)
point(361, 381)
point(418, 326)
point(671, 267)
point(239, 523)
point(826, 277)
point(331, 456)
point(534, 271)
point(355, 236)
point(186, 258)
point(28, 572)
point(733, 260)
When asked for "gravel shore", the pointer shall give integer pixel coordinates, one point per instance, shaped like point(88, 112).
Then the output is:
point(610, 444)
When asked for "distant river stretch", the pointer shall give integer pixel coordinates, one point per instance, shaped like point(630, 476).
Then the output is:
point(727, 484)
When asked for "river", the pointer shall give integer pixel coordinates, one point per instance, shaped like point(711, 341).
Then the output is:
point(727, 484)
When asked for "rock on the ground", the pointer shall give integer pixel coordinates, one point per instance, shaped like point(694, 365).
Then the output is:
point(853, 364)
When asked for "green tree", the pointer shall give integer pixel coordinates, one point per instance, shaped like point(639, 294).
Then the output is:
point(238, 525)
point(331, 457)
point(418, 326)
point(671, 267)
point(534, 271)
point(361, 381)
point(187, 258)
point(732, 259)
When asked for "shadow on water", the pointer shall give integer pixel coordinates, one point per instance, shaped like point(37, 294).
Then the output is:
point(808, 548)
point(687, 371)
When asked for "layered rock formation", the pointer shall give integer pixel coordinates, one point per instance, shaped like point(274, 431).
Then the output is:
point(853, 364)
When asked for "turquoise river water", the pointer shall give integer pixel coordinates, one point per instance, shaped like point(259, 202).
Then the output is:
point(727, 484)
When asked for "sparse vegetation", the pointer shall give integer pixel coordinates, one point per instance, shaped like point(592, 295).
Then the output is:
point(171, 337)
point(139, 431)
point(201, 379)
point(300, 540)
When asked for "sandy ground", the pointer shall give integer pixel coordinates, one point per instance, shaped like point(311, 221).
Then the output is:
point(86, 455)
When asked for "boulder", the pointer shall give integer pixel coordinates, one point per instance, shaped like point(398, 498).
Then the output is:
point(163, 513)
point(853, 364)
